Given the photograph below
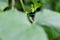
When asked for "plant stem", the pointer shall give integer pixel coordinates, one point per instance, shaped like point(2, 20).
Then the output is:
point(13, 3)
point(21, 1)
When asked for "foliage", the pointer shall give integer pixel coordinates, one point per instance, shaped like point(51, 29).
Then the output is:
point(15, 25)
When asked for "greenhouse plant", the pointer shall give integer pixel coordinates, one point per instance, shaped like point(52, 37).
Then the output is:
point(29, 19)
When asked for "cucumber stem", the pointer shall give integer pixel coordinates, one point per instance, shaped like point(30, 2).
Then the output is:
point(13, 3)
point(21, 1)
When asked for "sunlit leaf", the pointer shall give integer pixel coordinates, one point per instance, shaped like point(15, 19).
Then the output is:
point(50, 21)
point(14, 25)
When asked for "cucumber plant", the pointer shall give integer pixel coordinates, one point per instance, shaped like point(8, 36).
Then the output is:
point(28, 20)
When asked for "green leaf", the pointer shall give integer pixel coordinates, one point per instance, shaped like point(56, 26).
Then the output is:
point(36, 33)
point(51, 20)
point(3, 4)
point(47, 17)
point(14, 25)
